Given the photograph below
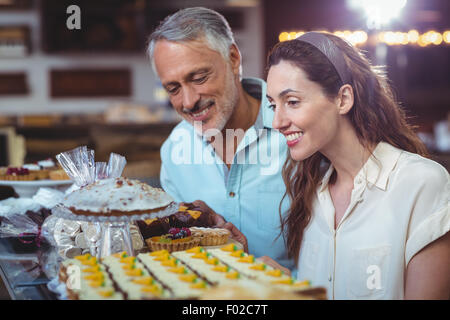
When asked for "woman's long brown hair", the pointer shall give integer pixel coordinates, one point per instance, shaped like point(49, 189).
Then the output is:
point(376, 116)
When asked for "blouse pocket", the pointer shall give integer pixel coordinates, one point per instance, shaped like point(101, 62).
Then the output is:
point(366, 279)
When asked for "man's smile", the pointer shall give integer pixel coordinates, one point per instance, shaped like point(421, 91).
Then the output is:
point(202, 114)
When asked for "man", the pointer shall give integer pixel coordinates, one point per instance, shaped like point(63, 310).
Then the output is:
point(224, 152)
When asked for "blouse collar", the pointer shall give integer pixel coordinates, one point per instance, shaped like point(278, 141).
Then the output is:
point(377, 168)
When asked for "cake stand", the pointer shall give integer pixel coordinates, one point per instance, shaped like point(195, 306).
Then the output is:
point(116, 236)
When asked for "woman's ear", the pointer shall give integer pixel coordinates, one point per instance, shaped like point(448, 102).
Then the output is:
point(345, 99)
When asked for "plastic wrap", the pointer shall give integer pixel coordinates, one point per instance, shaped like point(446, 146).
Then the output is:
point(22, 220)
point(116, 164)
point(101, 170)
point(48, 198)
point(79, 164)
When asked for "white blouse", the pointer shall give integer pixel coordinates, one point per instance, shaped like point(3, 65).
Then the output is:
point(399, 204)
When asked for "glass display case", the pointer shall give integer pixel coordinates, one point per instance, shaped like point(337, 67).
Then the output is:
point(25, 271)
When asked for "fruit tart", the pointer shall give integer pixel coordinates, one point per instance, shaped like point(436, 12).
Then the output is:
point(41, 174)
point(18, 174)
point(177, 239)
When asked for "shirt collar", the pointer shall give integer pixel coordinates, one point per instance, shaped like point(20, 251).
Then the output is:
point(265, 115)
point(380, 164)
point(326, 178)
point(377, 168)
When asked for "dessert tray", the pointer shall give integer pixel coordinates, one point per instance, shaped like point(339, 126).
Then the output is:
point(198, 273)
point(26, 189)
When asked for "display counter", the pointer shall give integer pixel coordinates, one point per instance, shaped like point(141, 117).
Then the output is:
point(22, 271)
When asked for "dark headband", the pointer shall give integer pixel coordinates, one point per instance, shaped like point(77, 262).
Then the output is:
point(330, 50)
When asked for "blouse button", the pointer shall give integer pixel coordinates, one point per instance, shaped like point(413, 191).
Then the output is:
point(232, 194)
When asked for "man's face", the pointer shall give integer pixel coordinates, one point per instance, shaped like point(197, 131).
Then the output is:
point(201, 84)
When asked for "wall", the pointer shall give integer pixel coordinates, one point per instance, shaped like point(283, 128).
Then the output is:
point(144, 82)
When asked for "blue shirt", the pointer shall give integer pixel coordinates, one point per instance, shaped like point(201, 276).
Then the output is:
point(249, 193)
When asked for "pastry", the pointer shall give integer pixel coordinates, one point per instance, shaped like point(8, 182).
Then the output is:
point(196, 273)
point(153, 227)
point(116, 197)
point(132, 278)
point(258, 291)
point(18, 174)
point(211, 236)
point(58, 174)
point(186, 216)
point(207, 266)
point(176, 240)
point(250, 267)
point(174, 275)
point(87, 279)
point(42, 170)
point(41, 174)
point(47, 164)
point(189, 216)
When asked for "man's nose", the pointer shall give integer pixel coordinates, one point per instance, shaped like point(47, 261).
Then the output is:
point(280, 121)
point(190, 97)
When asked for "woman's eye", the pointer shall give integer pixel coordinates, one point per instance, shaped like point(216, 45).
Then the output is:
point(271, 106)
point(293, 103)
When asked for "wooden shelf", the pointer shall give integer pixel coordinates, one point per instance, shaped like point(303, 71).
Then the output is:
point(140, 144)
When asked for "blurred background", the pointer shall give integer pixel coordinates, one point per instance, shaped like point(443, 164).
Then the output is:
point(93, 85)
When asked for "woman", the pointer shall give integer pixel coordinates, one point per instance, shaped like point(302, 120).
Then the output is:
point(369, 214)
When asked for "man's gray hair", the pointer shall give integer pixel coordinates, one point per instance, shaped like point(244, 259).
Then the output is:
point(192, 24)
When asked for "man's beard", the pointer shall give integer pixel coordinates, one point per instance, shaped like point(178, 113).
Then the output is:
point(223, 114)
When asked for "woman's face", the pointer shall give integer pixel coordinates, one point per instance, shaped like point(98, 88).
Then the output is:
point(303, 113)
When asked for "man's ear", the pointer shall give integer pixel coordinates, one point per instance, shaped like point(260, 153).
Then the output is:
point(235, 58)
point(345, 99)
